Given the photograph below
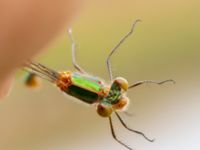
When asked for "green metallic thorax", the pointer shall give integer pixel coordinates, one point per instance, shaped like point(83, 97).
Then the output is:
point(87, 82)
point(86, 88)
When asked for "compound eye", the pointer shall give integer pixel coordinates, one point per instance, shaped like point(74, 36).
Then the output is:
point(121, 104)
point(122, 82)
point(104, 110)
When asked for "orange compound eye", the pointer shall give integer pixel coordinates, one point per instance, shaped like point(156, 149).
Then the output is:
point(104, 110)
point(121, 104)
point(122, 82)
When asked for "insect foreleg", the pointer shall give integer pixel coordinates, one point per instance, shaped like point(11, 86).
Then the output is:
point(117, 46)
point(150, 82)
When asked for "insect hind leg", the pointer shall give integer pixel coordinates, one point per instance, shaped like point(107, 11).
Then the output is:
point(135, 131)
point(75, 64)
point(115, 137)
point(117, 46)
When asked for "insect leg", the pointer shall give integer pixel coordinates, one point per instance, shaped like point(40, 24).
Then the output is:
point(117, 46)
point(151, 82)
point(114, 135)
point(75, 64)
point(45, 69)
point(41, 71)
point(38, 73)
point(135, 131)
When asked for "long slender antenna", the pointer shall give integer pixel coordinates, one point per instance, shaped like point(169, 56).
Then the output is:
point(150, 82)
point(114, 135)
point(117, 46)
point(75, 64)
point(135, 131)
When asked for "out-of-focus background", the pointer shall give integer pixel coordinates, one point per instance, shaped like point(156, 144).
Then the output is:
point(165, 45)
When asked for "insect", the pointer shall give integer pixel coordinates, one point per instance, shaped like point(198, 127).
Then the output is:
point(109, 98)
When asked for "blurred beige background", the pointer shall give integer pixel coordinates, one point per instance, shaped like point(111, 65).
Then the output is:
point(165, 45)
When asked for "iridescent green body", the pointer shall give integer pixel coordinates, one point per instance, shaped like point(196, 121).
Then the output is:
point(87, 82)
point(87, 88)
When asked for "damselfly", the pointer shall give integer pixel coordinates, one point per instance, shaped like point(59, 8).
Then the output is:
point(109, 97)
